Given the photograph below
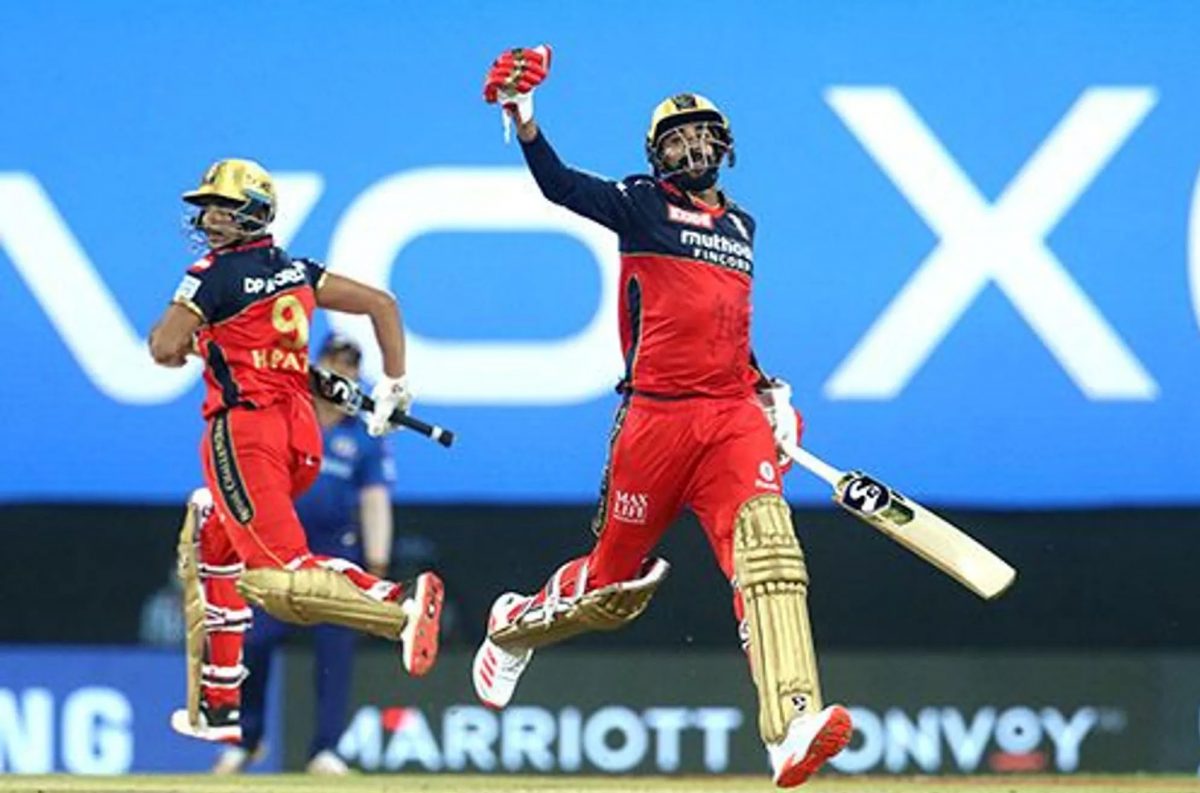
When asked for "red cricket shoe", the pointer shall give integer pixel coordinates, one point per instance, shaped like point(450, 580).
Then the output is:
point(810, 741)
point(419, 639)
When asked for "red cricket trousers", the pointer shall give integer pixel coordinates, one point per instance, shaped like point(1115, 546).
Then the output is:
point(255, 463)
point(709, 455)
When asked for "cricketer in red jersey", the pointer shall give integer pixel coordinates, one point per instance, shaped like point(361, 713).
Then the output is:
point(245, 308)
point(696, 428)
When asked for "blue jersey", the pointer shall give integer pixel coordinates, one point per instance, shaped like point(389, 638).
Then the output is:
point(330, 509)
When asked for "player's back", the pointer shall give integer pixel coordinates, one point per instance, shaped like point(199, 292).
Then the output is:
point(257, 304)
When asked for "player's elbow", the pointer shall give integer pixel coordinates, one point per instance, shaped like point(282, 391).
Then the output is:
point(382, 304)
point(556, 191)
point(165, 353)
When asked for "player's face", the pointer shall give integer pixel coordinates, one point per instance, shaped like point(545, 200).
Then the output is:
point(219, 225)
point(691, 149)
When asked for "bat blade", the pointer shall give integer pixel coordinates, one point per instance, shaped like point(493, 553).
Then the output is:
point(928, 535)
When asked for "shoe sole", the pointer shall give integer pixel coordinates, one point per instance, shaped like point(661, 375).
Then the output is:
point(181, 724)
point(420, 644)
point(829, 740)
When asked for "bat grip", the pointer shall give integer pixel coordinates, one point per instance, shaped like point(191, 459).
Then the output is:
point(442, 436)
point(813, 463)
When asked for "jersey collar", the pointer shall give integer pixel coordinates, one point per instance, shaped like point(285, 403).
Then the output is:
point(262, 242)
point(694, 203)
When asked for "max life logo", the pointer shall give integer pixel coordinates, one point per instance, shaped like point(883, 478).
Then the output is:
point(949, 739)
point(630, 507)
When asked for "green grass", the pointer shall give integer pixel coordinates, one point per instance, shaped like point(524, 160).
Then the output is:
point(407, 783)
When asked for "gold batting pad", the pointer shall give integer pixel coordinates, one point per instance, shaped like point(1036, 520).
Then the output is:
point(314, 595)
point(603, 609)
point(770, 572)
point(193, 611)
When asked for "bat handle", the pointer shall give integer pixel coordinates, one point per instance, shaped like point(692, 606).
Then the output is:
point(439, 434)
point(812, 462)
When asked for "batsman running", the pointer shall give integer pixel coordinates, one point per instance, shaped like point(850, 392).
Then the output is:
point(245, 308)
point(697, 427)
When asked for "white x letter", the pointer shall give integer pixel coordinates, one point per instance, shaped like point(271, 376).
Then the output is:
point(1003, 242)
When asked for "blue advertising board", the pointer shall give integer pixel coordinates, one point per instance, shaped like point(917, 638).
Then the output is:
point(101, 711)
point(978, 249)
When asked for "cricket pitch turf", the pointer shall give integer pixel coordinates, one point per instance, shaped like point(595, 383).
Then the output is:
point(419, 783)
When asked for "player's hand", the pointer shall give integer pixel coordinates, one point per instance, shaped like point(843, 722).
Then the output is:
point(388, 394)
point(786, 422)
point(512, 78)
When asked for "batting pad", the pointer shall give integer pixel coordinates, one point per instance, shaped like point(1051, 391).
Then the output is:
point(770, 572)
point(316, 595)
point(562, 615)
point(193, 611)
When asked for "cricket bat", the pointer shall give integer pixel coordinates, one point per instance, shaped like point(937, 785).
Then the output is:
point(929, 536)
point(345, 394)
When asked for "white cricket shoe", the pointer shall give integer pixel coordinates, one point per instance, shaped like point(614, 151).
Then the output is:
point(216, 724)
point(326, 763)
point(495, 671)
point(237, 759)
point(811, 740)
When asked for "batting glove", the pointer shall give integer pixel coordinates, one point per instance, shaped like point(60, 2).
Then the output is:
point(787, 424)
point(388, 394)
point(512, 78)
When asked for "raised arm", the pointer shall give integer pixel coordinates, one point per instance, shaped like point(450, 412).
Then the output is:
point(594, 197)
point(510, 83)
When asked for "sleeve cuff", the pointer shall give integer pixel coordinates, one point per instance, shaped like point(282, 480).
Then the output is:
point(190, 306)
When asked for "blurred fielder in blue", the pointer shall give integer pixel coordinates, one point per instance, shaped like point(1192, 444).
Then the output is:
point(346, 514)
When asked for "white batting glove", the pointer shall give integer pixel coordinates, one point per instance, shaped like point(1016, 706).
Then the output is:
point(520, 104)
point(786, 424)
point(388, 394)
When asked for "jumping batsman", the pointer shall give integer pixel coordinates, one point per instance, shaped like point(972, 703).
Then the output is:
point(692, 431)
point(245, 309)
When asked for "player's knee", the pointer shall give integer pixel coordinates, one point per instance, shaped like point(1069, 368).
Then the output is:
point(765, 547)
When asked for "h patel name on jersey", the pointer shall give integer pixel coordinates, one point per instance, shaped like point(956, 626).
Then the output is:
point(279, 358)
point(719, 249)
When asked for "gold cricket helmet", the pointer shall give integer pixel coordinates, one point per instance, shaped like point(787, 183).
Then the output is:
point(242, 185)
point(682, 109)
